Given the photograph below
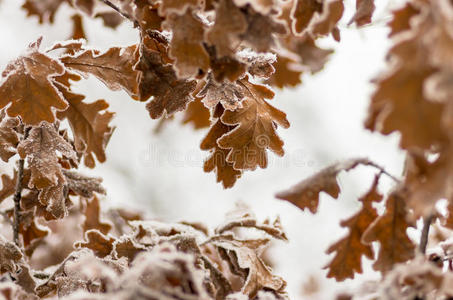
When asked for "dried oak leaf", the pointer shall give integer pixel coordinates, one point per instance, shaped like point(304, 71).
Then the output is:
point(364, 12)
point(287, 73)
point(217, 160)
point(306, 193)
point(10, 255)
point(186, 46)
point(158, 79)
point(28, 87)
point(77, 27)
point(229, 24)
point(389, 230)
point(115, 67)
point(225, 67)
point(255, 132)
point(310, 55)
point(110, 19)
point(44, 9)
point(8, 186)
point(102, 245)
point(244, 260)
point(261, 31)
point(399, 105)
point(90, 124)
point(87, 6)
point(8, 136)
point(82, 185)
point(54, 199)
point(303, 12)
point(177, 6)
point(197, 113)
point(40, 149)
point(350, 249)
point(93, 217)
point(328, 20)
point(146, 14)
point(401, 18)
point(32, 231)
point(228, 94)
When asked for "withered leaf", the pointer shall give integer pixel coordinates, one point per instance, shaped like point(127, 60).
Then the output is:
point(328, 19)
point(225, 67)
point(44, 9)
point(54, 198)
point(8, 136)
point(77, 27)
point(244, 259)
point(10, 255)
point(255, 130)
point(389, 230)
point(197, 113)
point(217, 161)
point(8, 186)
point(303, 13)
point(228, 94)
point(33, 231)
point(40, 149)
point(110, 18)
point(102, 245)
point(147, 15)
point(28, 88)
point(261, 31)
point(113, 67)
point(306, 193)
point(90, 124)
point(287, 73)
point(177, 6)
point(229, 24)
point(401, 18)
point(93, 217)
point(364, 12)
point(186, 46)
point(350, 249)
point(82, 185)
point(158, 79)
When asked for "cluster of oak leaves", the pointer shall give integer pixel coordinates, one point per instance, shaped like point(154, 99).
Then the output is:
point(216, 60)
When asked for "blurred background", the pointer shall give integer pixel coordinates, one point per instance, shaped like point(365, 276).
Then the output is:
point(162, 173)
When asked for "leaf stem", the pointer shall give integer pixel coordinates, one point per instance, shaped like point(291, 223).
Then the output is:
point(425, 231)
point(18, 194)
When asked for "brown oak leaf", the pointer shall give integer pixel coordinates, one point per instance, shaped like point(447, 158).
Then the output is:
point(287, 73)
point(401, 18)
point(93, 217)
point(10, 255)
point(303, 12)
point(45, 10)
point(217, 161)
point(115, 67)
point(158, 79)
point(327, 22)
point(90, 124)
point(389, 230)
point(8, 186)
point(255, 132)
point(177, 6)
point(8, 136)
point(186, 46)
point(40, 149)
point(350, 249)
point(228, 94)
point(28, 87)
point(306, 193)
point(102, 245)
point(229, 24)
point(82, 185)
point(364, 12)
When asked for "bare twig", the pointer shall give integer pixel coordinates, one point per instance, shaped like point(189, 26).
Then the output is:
point(122, 13)
point(18, 194)
point(381, 169)
point(425, 231)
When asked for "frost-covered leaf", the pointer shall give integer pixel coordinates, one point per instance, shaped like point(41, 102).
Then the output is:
point(186, 46)
point(115, 67)
point(93, 217)
point(255, 128)
point(40, 150)
point(8, 186)
point(228, 94)
point(28, 89)
point(8, 136)
point(10, 255)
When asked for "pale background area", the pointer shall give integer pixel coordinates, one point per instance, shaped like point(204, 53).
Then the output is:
point(162, 174)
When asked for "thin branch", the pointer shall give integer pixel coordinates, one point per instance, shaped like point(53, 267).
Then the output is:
point(122, 13)
point(18, 194)
point(381, 169)
point(425, 232)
